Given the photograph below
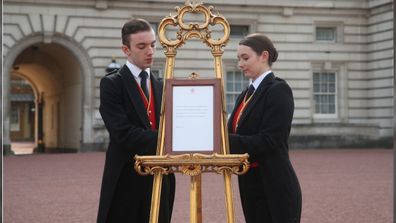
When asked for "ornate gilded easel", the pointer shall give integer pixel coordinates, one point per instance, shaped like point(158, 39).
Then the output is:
point(193, 164)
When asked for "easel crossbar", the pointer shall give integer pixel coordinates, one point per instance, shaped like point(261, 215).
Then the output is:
point(192, 164)
point(193, 159)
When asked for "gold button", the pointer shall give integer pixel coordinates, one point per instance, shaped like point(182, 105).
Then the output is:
point(149, 112)
point(151, 123)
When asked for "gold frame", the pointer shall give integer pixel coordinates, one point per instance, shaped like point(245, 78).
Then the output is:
point(215, 83)
point(193, 164)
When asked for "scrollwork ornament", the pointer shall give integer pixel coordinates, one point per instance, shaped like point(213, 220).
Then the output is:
point(193, 30)
point(192, 170)
point(192, 164)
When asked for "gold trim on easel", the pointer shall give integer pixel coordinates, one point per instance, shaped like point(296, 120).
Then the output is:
point(193, 30)
point(192, 164)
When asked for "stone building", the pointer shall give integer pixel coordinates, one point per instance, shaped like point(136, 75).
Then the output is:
point(337, 55)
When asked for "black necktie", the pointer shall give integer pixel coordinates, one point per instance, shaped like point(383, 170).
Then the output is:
point(143, 83)
point(249, 92)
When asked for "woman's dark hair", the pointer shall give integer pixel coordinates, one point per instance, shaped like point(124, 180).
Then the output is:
point(133, 26)
point(259, 43)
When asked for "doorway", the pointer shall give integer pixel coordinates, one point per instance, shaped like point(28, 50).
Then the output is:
point(47, 108)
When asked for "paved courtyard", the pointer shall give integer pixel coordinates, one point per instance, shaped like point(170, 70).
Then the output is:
point(339, 186)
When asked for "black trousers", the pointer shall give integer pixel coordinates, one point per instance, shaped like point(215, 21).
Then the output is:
point(132, 199)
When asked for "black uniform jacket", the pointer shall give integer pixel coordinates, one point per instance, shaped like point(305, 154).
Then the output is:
point(125, 118)
point(263, 132)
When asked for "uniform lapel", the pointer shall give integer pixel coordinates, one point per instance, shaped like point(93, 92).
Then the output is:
point(237, 103)
point(256, 96)
point(132, 89)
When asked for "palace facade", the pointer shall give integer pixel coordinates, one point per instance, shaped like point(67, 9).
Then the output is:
point(337, 55)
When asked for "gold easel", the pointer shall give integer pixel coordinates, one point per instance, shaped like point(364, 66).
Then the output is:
point(193, 164)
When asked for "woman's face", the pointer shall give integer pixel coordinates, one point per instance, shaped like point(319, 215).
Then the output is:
point(250, 63)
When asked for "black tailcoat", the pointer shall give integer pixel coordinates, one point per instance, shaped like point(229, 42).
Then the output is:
point(125, 117)
point(263, 132)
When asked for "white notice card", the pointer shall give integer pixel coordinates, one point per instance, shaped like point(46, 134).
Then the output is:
point(192, 120)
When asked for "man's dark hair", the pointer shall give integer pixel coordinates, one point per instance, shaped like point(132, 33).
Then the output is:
point(133, 26)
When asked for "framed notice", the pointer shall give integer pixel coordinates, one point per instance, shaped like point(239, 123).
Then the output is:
point(192, 113)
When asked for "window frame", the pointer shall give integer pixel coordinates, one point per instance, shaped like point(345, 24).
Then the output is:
point(234, 93)
point(326, 116)
point(240, 36)
point(333, 40)
point(338, 31)
point(250, 23)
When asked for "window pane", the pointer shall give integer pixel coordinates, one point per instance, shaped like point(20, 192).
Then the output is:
point(230, 76)
point(316, 77)
point(229, 108)
point(325, 33)
point(332, 88)
point(239, 31)
point(230, 86)
point(325, 109)
point(323, 77)
point(238, 86)
point(316, 88)
point(331, 77)
point(230, 98)
point(332, 109)
point(238, 77)
point(331, 99)
point(235, 82)
point(316, 97)
point(317, 108)
point(325, 99)
point(324, 89)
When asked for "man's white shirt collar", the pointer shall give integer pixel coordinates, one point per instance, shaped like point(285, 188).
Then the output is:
point(136, 70)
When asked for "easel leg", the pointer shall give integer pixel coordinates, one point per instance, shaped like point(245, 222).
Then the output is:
point(156, 197)
point(228, 193)
point(199, 198)
point(195, 200)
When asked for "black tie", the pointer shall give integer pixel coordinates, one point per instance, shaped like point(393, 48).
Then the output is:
point(143, 83)
point(249, 92)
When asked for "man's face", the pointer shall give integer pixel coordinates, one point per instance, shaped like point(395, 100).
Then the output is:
point(141, 49)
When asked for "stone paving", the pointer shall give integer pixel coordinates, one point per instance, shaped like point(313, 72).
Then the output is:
point(339, 186)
